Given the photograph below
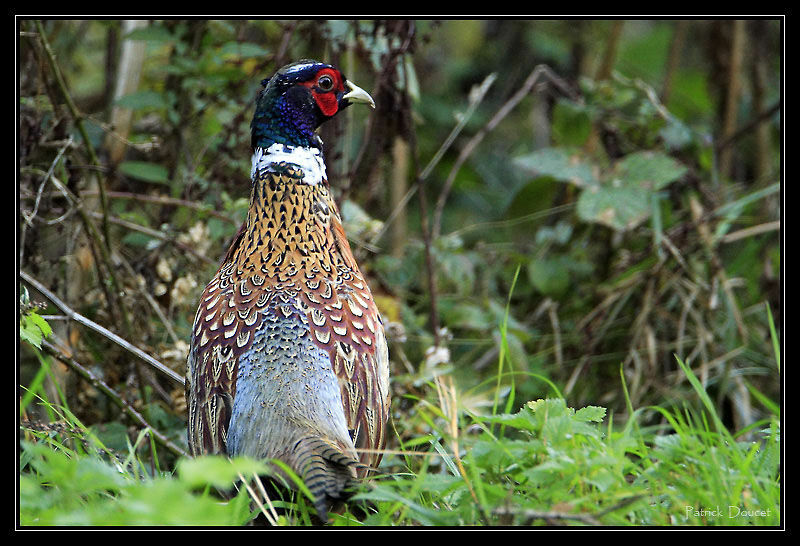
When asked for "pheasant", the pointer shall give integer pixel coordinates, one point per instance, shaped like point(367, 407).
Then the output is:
point(288, 358)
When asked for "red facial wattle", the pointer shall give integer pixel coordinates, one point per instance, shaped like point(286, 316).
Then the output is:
point(326, 99)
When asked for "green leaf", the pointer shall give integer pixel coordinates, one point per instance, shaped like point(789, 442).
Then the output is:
point(33, 329)
point(648, 170)
point(619, 208)
point(149, 172)
point(152, 33)
point(549, 276)
point(217, 471)
point(591, 413)
point(141, 100)
point(560, 163)
point(461, 314)
point(426, 516)
point(242, 49)
point(521, 420)
point(623, 200)
point(548, 407)
point(571, 124)
point(138, 239)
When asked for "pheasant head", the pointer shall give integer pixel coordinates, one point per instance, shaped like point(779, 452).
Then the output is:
point(297, 100)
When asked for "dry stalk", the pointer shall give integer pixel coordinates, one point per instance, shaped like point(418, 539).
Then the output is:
point(448, 402)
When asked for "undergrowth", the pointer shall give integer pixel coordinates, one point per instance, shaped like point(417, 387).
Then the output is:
point(545, 464)
point(573, 286)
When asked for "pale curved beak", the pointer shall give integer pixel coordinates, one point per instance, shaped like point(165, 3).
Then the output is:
point(356, 94)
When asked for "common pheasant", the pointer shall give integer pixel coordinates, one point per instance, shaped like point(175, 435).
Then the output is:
point(288, 358)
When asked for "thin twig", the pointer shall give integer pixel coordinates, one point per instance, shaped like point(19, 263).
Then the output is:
point(363, 163)
point(77, 317)
point(153, 304)
point(430, 264)
point(552, 311)
point(747, 127)
point(673, 58)
point(474, 101)
point(732, 98)
point(164, 200)
point(531, 515)
point(103, 243)
point(34, 212)
point(154, 233)
point(610, 53)
point(102, 260)
point(751, 231)
point(48, 174)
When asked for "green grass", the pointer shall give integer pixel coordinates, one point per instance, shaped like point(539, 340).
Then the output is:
point(557, 465)
point(544, 464)
point(551, 465)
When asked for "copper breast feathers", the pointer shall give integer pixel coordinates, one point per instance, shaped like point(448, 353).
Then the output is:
point(291, 251)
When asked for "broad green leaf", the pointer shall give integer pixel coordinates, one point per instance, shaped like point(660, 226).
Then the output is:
point(522, 420)
point(152, 33)
point(648, 170)
point(242, 49)
point(217, 471)
point(591, 413)
point(33, 329)
point(623, 200)
point(149, 172)
point(560, 163)
point(141, 100)
point(549, 276)
point(616, 207)
point(571, 124)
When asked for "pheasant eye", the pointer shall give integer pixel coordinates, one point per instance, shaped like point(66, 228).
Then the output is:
point(325, 83)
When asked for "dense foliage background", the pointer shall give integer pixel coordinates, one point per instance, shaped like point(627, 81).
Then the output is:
point(560, 209)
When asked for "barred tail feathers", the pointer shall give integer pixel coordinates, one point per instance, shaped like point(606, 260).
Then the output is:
point(326, 470)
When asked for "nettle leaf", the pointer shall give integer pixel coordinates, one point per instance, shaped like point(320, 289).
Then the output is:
point(141, 100)
point(620, 198)
point(217, 471)
point(149, 172)
point(591, 413)
point(522, 420)
point(648, 170)
point(33, 329)
point(560, 163)
point(571, 123)
point(152, 33)
point(549, 276)
point(242, 50)
point(612, 205)
point(624, 200)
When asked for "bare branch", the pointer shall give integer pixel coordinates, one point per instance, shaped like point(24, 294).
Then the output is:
point(538, 72)
point(77, 317)
point(77, 118)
